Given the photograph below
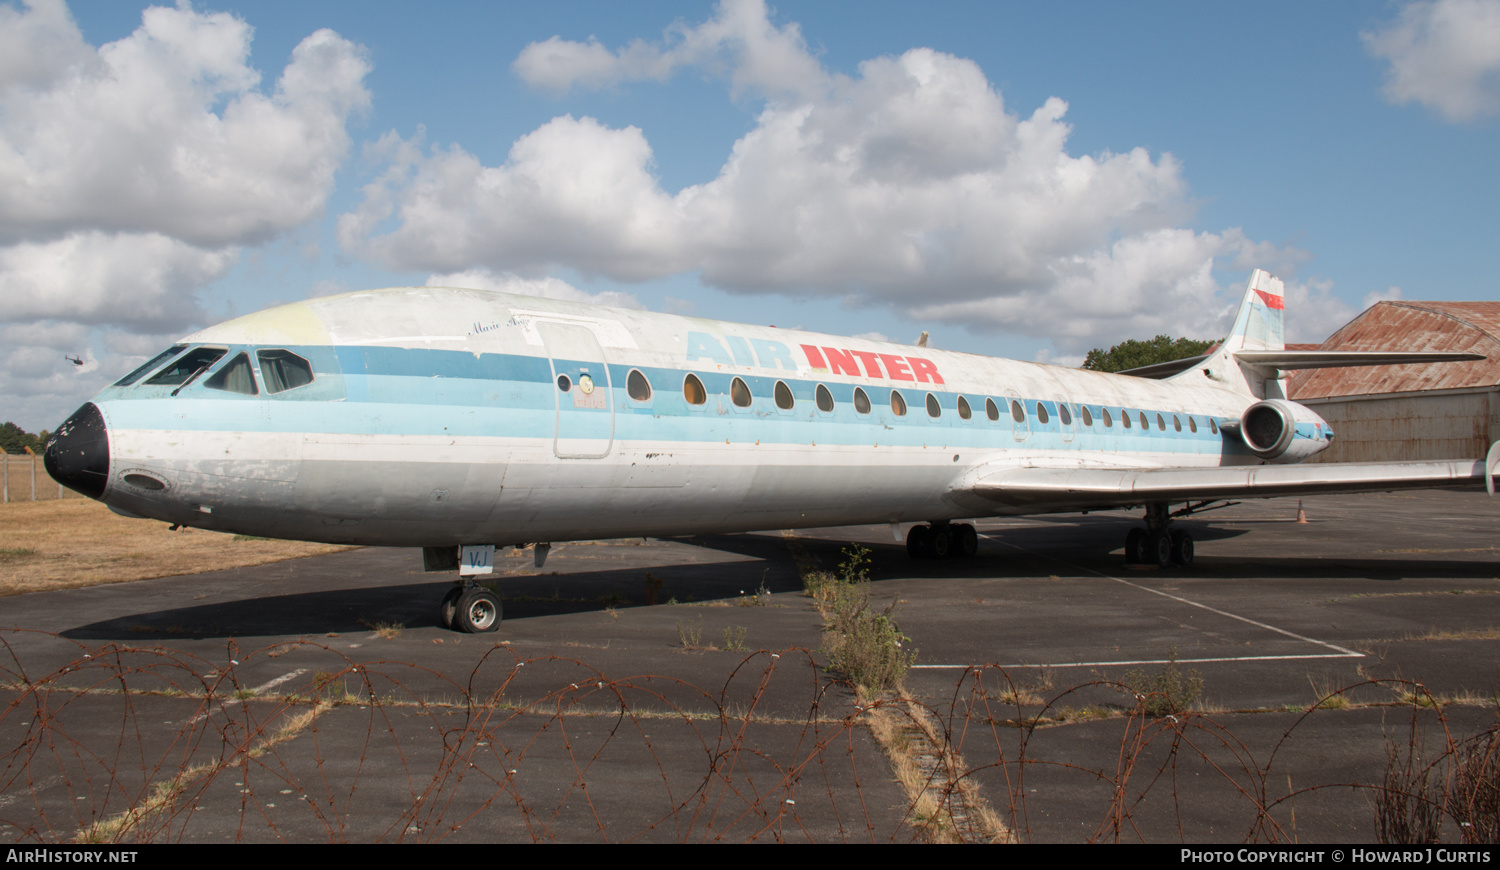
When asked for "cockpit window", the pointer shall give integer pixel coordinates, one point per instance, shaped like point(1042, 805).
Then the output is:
point(235, 377)
point(283, 370)
point(157, 360)
point(188, 366)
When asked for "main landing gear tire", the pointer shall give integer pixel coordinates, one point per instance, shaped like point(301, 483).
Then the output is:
point(944, 541)
point(449, 608)
point(478, 611)
point(1135, 546)
point(1182, 549)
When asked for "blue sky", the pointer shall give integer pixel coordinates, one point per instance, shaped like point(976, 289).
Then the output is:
point(1020, 179)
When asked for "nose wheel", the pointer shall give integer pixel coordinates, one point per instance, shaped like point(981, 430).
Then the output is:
point(471, 609)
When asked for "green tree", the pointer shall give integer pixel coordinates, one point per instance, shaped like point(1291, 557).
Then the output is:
point(14, 439)
point(1135, 353)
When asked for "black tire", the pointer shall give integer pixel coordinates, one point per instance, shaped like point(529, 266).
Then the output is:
point(1182, 549)
point(965, 541)
point(1135, 546)
point(940, 541)
point(1159, 549)
point(478, 611)
point(449, 607)
point(916, 542)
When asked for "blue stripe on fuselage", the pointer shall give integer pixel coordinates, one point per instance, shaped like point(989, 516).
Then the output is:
point(428, 392)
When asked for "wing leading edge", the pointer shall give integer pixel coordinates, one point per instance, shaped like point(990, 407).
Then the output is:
point(1062, 489)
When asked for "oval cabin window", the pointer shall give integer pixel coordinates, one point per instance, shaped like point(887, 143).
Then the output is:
point(898, 404)
point(739, 393)
point(637, 387)
point(692, 390)
point(784, 399)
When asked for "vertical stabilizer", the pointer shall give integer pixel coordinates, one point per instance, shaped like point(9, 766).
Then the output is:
point(1258, 326)
point(1259, 323)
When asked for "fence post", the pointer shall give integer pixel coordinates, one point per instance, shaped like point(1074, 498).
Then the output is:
point(33, 471)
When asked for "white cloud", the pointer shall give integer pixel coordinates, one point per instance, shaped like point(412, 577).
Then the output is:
point(760, 57)
point(548, 288)
point(134, 172)
point(910, 185)
point(1443, 54)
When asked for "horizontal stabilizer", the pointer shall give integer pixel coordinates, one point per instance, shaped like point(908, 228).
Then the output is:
point(1331, 359)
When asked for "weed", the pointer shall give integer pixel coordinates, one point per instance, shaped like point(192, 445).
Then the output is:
point(690, 634)
point(612, 599)
point(819, 586)
point(654, 585)
point(734, 638)
point(385, 630)
point(1327, 693)
point(1166, 693)
point(865, 646)
point(7, 553)
point(856, 564)
point(250, 538)
point(1019, 694)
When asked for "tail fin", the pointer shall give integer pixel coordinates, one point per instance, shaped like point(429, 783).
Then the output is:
point(1258, 326)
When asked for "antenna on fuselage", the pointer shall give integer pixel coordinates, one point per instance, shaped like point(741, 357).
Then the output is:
point(922, 339)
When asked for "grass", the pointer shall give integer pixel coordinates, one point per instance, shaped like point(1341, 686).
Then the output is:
point(864, 645)
point(1167, 692)
point(70, 543)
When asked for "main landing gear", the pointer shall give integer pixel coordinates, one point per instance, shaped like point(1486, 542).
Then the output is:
point(1158, 543)
point(470, 608)
point(942, 541)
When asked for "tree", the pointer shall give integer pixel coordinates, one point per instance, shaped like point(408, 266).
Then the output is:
point(1135, 353)
point(14, 439)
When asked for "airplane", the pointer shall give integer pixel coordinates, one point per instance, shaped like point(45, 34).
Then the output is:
point(459, 421)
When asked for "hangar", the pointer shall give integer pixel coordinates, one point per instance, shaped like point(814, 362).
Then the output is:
point(1445, 410)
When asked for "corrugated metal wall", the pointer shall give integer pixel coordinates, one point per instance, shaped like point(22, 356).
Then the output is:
point(1412, 426)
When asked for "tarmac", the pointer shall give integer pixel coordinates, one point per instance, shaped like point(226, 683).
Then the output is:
point(674, 689)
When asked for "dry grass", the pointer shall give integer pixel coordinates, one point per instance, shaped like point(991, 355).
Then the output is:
point(62, 544)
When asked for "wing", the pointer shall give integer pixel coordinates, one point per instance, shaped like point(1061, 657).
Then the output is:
point(1036, 489)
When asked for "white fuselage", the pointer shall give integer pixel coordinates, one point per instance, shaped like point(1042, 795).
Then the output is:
point(439, 417)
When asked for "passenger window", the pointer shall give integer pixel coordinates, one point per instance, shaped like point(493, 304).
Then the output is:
point(1193, 425)
point(1088, 418)
point(1064, 414)
point(155, 361)
point(282, 370)
point(1213, 425)
point(963, 408)
point(784, 399)
point(739, 393)
point(824, 399)
point(188, 366)
point(235, 377)
point(637, 387)
point(1017, 412)
point(898, 404)
point(1125, 418)
point(1144, 425)
point(692, 390)
point(933, 408)
point(564, 383)
point(991, 410)
point(1041, 413)
point(1109, 422)
point(861, 400)
point(1160, 423)
point(1176, 422)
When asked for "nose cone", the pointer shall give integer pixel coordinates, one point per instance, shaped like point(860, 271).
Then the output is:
point(78, 454)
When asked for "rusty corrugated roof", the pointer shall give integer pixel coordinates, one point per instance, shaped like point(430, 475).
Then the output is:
point(1446, 326)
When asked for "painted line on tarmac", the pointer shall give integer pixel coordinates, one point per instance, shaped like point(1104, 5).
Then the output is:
point(267, 685)
point(1338, 652)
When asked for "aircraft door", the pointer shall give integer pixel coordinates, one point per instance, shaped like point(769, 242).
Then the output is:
point(581, 389)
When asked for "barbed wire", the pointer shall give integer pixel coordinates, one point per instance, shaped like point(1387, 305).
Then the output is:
point(135, 744)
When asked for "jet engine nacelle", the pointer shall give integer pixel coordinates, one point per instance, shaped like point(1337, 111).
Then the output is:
point(1280, 431)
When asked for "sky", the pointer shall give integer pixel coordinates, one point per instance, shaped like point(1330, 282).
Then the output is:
point(1019, 179)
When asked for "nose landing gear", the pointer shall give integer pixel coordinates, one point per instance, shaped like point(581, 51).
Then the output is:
point(471, 608)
